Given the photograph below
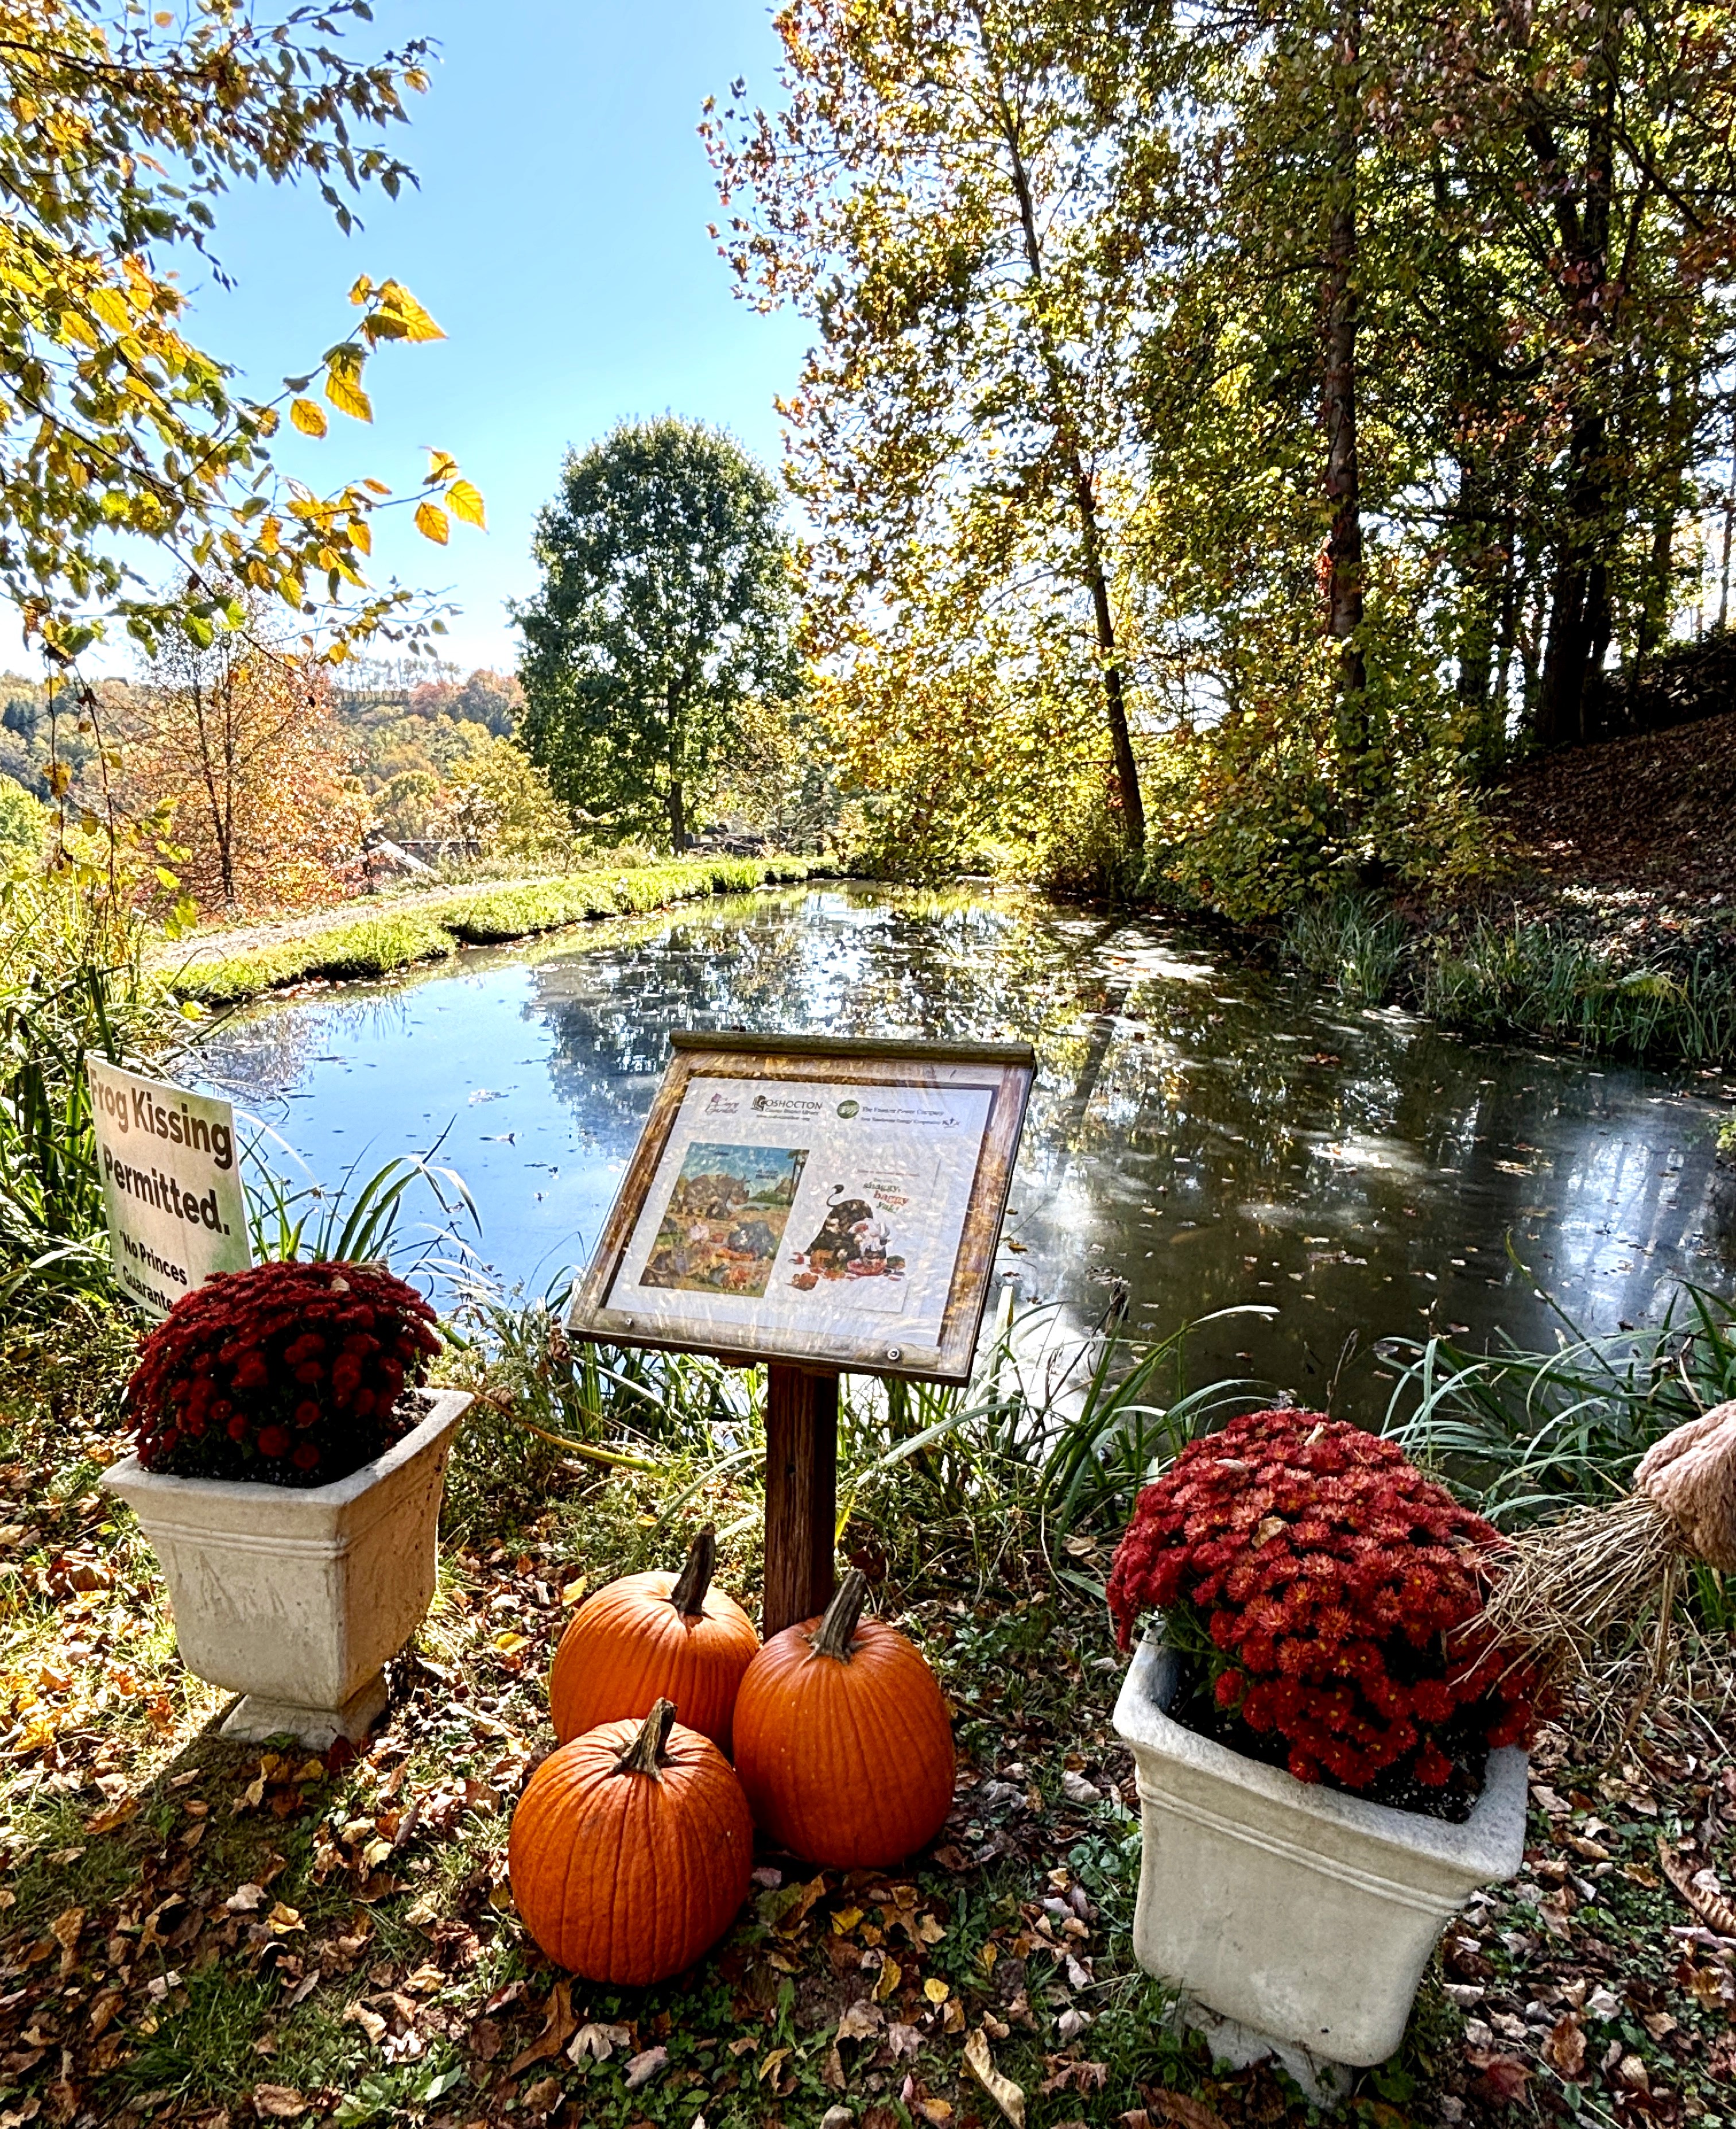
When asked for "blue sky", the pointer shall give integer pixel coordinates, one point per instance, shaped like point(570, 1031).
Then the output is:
point(559, 236)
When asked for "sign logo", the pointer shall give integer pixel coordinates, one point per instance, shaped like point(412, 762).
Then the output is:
point(849, 1108)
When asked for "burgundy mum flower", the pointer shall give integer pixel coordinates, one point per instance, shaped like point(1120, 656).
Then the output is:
point(234, 1382)
point(1338, 1611)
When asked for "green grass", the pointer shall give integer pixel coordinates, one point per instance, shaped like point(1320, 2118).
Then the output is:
point(358, 948)
point(1534, 980)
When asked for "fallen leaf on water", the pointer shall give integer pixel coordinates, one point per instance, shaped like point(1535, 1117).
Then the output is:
point(1008, 2096)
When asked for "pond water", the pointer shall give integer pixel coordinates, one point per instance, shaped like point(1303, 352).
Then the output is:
point(1210, 1131)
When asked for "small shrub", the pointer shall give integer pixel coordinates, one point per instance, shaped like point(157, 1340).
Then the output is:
point(1326, 1583)
point(289, 1373)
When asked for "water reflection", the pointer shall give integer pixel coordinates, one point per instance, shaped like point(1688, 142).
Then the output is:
point(1211, 1132)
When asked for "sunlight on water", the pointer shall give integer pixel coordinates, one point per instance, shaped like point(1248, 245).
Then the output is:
point(1212, 1132)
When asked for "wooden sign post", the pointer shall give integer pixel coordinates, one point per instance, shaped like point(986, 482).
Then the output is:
point(801, 1494)
point(824, 1205)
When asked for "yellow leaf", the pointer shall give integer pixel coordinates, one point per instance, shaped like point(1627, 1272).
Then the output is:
point(1007, 2096)
point(441, 466)
point(344, 389)
point(508, 1642)
point(111, 306)
point(935, 1989)
point(362, 291)
point(890, 1974)
point(361, 536)
point(431, 521)
point(572, 1592)
point(398, 303)
point(465, 501)
point(307, 417)
point(845, 1920)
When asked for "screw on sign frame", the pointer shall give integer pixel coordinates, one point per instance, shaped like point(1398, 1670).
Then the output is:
point(692, 1256)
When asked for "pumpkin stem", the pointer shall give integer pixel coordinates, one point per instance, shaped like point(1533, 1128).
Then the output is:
point(688, 1595)
point(836, 1631)
point(644, 1755)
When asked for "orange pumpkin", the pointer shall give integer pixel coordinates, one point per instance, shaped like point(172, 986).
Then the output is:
point(841, 1740)
point(631, 1850)
point(651, 1637)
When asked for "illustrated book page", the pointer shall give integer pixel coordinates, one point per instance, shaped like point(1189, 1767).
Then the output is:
point(822, 1208)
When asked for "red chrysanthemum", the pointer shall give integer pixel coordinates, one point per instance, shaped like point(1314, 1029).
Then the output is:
point(234, 1383)
point(1336, 1584)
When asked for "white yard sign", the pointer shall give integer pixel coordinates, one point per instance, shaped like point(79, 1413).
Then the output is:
point(171, 1185)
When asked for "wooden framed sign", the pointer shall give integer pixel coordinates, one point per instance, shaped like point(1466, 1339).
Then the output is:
point(824, 1203)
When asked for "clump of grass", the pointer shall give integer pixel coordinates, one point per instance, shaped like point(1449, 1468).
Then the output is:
point(1534, 980)
point(1351, 942)
point(1537, 980)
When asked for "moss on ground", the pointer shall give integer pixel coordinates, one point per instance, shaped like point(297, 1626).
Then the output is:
point(354, 948)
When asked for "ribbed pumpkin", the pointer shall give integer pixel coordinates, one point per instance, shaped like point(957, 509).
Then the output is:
point(841, 1740)
point(631, 1850)
point(650, 1637)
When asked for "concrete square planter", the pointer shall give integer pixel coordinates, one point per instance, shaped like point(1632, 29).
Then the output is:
point(296, 1597)
point(1303, 1916)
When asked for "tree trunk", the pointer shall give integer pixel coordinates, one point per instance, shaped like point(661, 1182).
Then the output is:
point(677, 816)
point(1579, 604)
point(1579, 600)
point(1343, 478)
point(1062, 420)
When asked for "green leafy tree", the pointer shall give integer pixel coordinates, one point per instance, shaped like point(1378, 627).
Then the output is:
point(665, 612)
point(944, 192)
point(120, 130)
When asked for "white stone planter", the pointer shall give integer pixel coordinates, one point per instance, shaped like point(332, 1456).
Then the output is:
point(1301, 1914)
point(296, 1597)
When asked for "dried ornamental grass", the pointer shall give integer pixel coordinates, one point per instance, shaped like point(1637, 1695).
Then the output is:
point(1568, 1584)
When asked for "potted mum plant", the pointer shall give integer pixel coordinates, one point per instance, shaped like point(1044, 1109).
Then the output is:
point(289, 1473)
point(1329, 1743)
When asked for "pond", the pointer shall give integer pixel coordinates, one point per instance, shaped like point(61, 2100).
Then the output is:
point(1212, 1132)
